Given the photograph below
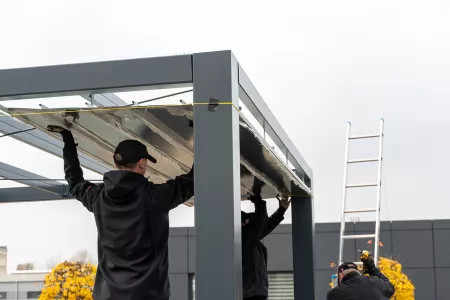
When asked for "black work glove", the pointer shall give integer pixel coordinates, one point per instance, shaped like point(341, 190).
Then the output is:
point(66, 134)
point(369, 264)
point(257, 186)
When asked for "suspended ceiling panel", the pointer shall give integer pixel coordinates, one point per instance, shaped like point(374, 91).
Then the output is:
point(165, 132)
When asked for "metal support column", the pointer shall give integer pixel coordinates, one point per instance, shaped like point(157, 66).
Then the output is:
point(217, 177)
point(303, 247)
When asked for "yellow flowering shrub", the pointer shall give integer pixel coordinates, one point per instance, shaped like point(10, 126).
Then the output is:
point(392, 269)
point(69, 281)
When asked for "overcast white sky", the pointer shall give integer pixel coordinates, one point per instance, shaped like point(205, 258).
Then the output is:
point(317, 63)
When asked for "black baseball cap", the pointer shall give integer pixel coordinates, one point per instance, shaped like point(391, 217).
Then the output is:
point(347, 266)
point(130, 152)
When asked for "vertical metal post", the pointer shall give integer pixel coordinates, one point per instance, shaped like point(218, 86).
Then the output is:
point(344, 196)
point(377, 222)
point(217, 177)
point(303, 232)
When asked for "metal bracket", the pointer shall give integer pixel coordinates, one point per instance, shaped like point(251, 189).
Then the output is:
point(213, 104)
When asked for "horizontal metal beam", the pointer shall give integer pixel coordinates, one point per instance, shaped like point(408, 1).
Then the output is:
point(27, 194)
point(96, 77)
point(16, 132)
point(47, 143)
point(251, 98)
point(32, 180)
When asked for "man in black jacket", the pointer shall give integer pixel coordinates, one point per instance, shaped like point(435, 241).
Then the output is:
point(132, 220)
point(355, 286)
point(256, 226)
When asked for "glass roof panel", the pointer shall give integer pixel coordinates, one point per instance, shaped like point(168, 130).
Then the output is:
point(50, 166)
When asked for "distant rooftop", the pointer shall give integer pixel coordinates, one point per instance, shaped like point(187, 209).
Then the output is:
point(31, 272)
point(3, 247)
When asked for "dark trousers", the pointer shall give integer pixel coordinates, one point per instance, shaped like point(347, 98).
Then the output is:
point(256, 298)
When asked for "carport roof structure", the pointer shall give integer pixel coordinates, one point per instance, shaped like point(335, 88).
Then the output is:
point(230, 150)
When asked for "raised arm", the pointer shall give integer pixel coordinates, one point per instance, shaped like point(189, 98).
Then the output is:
point(273, 221)
point(382, 281)
point(278, 216)
point(84, 191)
point(174, 192)
point(253, 231)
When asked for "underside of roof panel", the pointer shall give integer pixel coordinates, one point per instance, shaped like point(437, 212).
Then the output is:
point(165, 132)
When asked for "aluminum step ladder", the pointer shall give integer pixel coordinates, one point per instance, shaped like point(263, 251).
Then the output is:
point(376, 209)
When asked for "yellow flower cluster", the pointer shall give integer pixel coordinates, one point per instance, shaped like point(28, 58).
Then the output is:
point(392, 269)
point(69, 281)
point(404, 288)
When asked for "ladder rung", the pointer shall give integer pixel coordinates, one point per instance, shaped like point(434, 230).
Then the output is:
point(349, 211)
point(360, 160)
point(361, 185)
point(364, 136)
point(358, 236)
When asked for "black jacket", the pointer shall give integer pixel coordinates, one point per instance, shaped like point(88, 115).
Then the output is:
point(255, 278)
point(132, 220)
point(358, 287)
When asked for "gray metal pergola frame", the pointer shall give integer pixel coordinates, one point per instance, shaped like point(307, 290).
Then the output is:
point(213, 75)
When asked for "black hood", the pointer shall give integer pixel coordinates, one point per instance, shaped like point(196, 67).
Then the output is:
point(350, 276)
point(245, 216)
point(121, 184)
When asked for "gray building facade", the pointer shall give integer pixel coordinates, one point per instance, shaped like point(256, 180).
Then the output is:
point(422, 247)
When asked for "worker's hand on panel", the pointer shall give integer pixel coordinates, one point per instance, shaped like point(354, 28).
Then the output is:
point(284, 202)
point(66, 134)
point(57, 129)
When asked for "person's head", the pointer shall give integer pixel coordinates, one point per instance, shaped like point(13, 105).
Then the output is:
point(132, 155)
point(246, 218)
point(347, 268)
